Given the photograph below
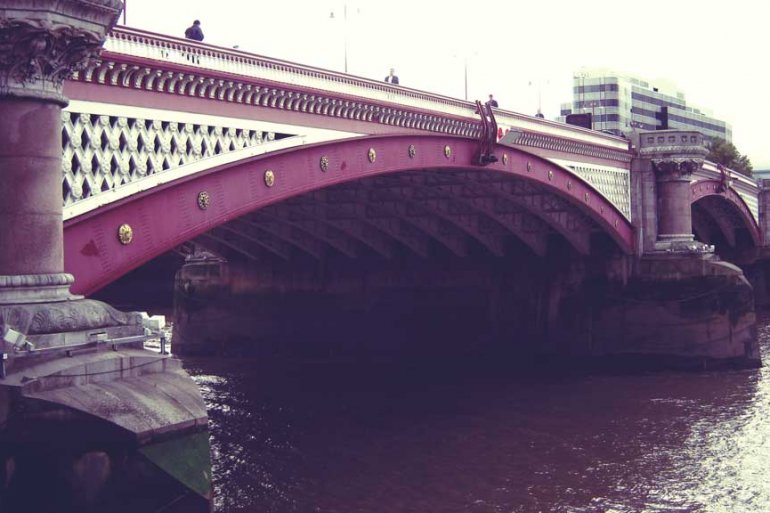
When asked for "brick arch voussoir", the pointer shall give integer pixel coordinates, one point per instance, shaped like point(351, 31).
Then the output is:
point(168, 214)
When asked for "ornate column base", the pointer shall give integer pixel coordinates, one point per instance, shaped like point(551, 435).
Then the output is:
point(36, 288)
point(38, 312)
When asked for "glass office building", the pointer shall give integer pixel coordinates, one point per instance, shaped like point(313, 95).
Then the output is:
point(620, 104)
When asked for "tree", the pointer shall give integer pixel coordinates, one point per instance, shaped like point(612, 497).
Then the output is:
point(725, 153)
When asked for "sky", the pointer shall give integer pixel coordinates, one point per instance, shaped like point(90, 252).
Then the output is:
point(525, 53)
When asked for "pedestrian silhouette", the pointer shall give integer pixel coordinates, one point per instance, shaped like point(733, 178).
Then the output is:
point(492, 102)
point(392, 78)
point(194, 32)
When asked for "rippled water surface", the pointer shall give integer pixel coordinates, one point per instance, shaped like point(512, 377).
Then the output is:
point(398, 439)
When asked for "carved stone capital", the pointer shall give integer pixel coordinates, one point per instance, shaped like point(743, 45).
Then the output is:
point(42, 42)
point(675, 154)
point(675, 169)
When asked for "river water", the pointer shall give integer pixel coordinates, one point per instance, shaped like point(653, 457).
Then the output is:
point(486, 438)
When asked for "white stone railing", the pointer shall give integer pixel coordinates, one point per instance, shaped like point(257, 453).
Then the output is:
point(156, 47)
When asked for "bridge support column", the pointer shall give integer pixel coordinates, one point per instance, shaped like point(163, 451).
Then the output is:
point(75, 433)
point(30, 213)
point(674, 156)
point(682, 301)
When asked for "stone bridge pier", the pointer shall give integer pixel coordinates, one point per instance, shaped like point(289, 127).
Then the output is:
point(89, 421)
point(681, 301)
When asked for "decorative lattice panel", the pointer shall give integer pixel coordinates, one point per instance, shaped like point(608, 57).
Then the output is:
point(101, 153)
point(614, 184)
point(752, 201)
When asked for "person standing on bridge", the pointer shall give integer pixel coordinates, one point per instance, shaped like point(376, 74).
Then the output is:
point(492, 102)
point(194, 32)
point(392, 78)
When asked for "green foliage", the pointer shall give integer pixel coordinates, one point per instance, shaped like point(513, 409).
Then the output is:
point(725, 153)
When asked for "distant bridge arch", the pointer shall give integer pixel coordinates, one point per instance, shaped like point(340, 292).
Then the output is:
point(718, 205)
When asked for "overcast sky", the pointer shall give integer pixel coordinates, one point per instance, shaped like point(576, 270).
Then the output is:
point(715, 52)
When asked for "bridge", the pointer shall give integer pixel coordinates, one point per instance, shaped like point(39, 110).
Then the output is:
point(317, 206)
point(244, 115)
point(271, 165)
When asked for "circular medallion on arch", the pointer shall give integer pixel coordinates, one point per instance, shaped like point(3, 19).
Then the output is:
point(372, 155)
point(269, 178)
point(412, 151)
point(447, 151)
point(324, 163)
point(505, 159)
point(204, 200)
point(125, 234)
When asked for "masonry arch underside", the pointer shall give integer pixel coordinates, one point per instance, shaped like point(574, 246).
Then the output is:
point(364, 198)
point(721, 217)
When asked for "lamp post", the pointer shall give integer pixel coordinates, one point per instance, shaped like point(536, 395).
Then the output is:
point(466, 78)
point(344, 30)
point(465, 56)
point(539, 84)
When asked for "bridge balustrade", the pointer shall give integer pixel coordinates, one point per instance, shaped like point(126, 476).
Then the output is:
point(156, 47)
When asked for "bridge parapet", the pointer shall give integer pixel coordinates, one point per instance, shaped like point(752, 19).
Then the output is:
point(303, 81)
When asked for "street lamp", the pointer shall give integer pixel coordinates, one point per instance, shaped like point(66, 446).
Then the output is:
point(539, 84)
point(466, 77)
point(465, 56)
point(344, 30)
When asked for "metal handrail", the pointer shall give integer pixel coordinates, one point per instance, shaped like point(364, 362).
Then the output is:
point(70, 350)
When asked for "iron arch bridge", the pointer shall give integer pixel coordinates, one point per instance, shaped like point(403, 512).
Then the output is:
point(167, 141)
point(369, 195)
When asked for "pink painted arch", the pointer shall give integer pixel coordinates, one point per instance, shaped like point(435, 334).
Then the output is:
point(705, 188)
point(165, 216)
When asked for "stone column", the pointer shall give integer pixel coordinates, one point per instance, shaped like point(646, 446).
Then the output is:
point(42, 42)
point(675, 155)
point(672, 178)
